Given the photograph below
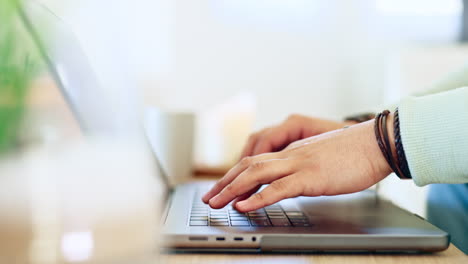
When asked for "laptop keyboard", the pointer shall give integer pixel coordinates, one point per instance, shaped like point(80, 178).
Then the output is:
point(273, 215)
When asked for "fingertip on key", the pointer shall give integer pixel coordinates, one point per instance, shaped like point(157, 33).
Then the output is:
point(213, 202)
point(205, 199)
point(241, 206)
point(208, 196)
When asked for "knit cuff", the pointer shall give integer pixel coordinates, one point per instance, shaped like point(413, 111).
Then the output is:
point(434, 133)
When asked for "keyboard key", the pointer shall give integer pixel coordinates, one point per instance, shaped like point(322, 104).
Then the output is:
point(236, 214)
point(240, 223)
point(199, 218)
point(218, 211)
point(239, 218)
point(218, 219)
point(257, 211)
point(279, 213)
point(295, 214)
point(226, 223)
point(277, 216)
point(198, 223)
point(274, 210)
point(258, 217)
point(260, 222)
point(280, 222)
point(218, 216)
point(198, 214)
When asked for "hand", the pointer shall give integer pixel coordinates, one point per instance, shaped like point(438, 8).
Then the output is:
point(295, 127)
point(342, 161)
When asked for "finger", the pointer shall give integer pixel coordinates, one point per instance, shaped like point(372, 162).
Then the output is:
point(262, 145)
point(296, 144)
point(257, 173)
point(234, 172)
point(278, 190)
point(245, 196)
point(276, 139)
point(248, 148)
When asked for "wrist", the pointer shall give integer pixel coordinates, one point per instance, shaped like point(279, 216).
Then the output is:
point(379, 166)
point(389, 142)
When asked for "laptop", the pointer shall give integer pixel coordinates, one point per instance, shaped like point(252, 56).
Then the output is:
point(359, 222)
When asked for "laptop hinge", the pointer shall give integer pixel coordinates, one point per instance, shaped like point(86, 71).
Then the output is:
point(167, 206)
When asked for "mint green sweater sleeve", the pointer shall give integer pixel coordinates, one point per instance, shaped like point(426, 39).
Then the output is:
point(434, 130)
point(434, 133)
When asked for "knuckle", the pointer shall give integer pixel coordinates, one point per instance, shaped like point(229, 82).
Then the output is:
point(257, 166)
point(316, 189)
point(230, 189)
point(218, 184)
point(246, 161)
point(259, 196)
point(279, 185)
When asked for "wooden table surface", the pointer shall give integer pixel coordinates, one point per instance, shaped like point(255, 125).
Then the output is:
point(452, 255)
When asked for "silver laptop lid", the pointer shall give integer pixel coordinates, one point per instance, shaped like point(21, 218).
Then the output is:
point(94, 108)
point(108, 111)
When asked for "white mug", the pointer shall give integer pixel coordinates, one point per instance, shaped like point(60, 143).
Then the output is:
point(171, 135)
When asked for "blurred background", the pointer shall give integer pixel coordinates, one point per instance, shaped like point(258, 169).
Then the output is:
point(323, 58)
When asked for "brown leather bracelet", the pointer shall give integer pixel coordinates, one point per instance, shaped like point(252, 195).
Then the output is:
point(402, 163)
point(381, 135)
point(378, 136)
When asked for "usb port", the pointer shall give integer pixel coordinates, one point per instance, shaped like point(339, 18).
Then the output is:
point(238, 238)
point(220, 239)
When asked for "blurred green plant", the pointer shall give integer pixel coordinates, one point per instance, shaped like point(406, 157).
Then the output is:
point(16, 70)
